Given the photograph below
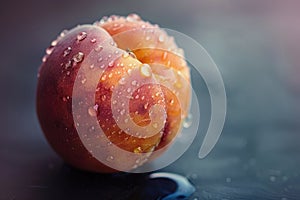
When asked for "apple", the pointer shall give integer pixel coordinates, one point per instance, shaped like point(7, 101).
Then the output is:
point(141, 51)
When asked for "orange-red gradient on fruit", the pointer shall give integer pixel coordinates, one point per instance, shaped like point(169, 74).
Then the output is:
point(142, 44)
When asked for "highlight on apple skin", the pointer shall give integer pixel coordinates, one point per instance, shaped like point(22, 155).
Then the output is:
point(121, 47)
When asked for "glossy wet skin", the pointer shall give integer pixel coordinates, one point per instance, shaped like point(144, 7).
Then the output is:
point(72, 51)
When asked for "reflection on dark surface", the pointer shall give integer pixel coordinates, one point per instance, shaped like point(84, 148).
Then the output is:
point(254, 43)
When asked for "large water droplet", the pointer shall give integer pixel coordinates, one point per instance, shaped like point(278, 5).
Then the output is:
point(81, 36)
point(78, 57)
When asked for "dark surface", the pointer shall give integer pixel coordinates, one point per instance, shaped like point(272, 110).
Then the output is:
point(255, 45)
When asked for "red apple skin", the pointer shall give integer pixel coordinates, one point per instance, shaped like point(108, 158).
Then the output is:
point(55, 87)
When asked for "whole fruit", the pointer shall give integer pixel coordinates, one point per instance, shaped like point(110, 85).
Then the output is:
point(110, 91)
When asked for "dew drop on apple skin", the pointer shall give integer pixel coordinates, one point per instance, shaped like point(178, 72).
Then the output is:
point(67, 51)
point(92, 111)
point(77, 58)
point(49, 50)
point(93, 40)
point(81, 36)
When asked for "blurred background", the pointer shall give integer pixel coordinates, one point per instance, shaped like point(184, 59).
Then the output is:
point(256, 45)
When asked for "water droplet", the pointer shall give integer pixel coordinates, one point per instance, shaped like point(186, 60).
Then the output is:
point(44, 59)
point(103, 20)
point(93, 110)
point(122, 112)
point(78, 57)
point(109, 158)
point(188, 121)
point(116, 52)
point(81, 36)
point(111, 63)
point(103, 97)
point(67, 51)
point(165, 54)
point(83, 81)
point(68, 64)
point(103, 78)
point(110, 75)
point(93, 40)
point(161, 38)
point(147, 37)
point(272, 178)
point(133, 17)
point(145, 70)
point(54, 43)
point(178, 84)
point(114, 102)
point(100, 59)
point(68, 73)
point(134, 82)
point(171, 102)
point(91, 129)
point(146, 106)
point(92, 66)
point(112, 43)
point(66, 98)
point(63, 33)
point(122, 81)
point(99, 48)
point(49, 50)
point(125, 55)
point(228, 180)
point(285, 178)
point(138, 150)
